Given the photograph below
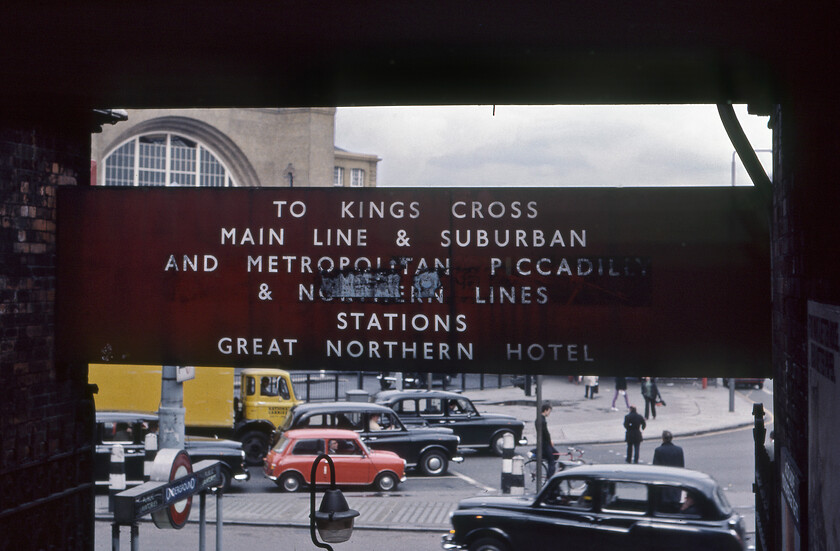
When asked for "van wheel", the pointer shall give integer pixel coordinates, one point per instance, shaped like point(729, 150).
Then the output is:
point(290, 482)
point(386, 482)
point(433, 463)
point(255, 446)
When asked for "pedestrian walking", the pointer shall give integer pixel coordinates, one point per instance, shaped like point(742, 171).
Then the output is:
point(650, 392)
point(634, 425)
point(620, 388)
point(549, 452)
point(591, 383)
point(668, 453)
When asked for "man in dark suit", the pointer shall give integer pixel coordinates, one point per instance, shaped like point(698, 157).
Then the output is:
point(671, 455)
point(668, 453)
point(635, 424)
point(544, 437)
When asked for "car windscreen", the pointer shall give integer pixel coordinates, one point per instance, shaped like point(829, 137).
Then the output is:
point(721, 501)
point(461, 406)
point(568, 492)
point(390, 421)
point(287, 422)
point(364, 447)
point(281, 444)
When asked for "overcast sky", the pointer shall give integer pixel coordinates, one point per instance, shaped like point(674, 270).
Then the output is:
point(549, 145)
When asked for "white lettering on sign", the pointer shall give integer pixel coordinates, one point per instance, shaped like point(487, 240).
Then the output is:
point(296, 209)
point(391, 350)
point(381, 209)
point(255, 236)
point(554, 352)
point(511, 295)
point(390, 321)
point(580, 267)
point(495, 209)
point(256, 346)
point(512, 238)
point(292, 264)
point(824, 339)
point(191, 263)
point(173, 493)
point(337, 237)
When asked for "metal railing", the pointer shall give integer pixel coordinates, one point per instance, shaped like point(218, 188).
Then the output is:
point(323, 385)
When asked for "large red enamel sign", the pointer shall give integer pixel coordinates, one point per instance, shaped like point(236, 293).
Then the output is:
point(648, 281)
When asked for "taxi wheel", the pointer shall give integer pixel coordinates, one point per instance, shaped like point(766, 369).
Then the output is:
point(386, 482)
point(433, 463)
point(226, 482)
point(290, 482)
point(497, 445)
point(488, 544)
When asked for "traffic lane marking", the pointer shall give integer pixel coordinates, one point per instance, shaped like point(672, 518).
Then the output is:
point(473, 482)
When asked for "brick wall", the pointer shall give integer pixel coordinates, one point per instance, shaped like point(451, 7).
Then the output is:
point(46, 414)
point(789, 303)
point(806, 267)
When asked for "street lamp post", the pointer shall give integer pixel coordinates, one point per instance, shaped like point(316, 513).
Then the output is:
point(334, 518)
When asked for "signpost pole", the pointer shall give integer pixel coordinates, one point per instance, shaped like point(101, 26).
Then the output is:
point(202, 521)
point(219, 495)
point(115, 536)
point(731, 394)
point(171, 412)
point(135, 537)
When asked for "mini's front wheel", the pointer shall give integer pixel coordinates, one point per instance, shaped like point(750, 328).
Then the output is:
point(290, 482)
point(386, 482)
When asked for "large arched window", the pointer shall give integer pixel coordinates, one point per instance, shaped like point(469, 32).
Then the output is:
point(165, 159)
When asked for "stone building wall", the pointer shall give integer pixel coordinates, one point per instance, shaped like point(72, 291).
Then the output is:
point(260, 146)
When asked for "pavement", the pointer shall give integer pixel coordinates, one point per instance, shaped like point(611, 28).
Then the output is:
point(691, 409)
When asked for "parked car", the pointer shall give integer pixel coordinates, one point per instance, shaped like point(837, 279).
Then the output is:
point(427, 449)
point(388, 380)
point(746, 383)
point(289, 463)
point(452, 410)
point(607, 507)
point(129, 430)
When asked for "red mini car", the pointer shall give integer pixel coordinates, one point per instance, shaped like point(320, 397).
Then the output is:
point(289, 463)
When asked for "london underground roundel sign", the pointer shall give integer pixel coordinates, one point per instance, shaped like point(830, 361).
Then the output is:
point(171, 465)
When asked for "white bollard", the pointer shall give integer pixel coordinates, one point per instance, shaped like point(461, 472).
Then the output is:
point(513, 479)
point(116, 478)
point(518, 476)
point(150, 445)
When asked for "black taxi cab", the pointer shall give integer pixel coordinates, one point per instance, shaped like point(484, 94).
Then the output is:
point(628, 507)
point(457, 412)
